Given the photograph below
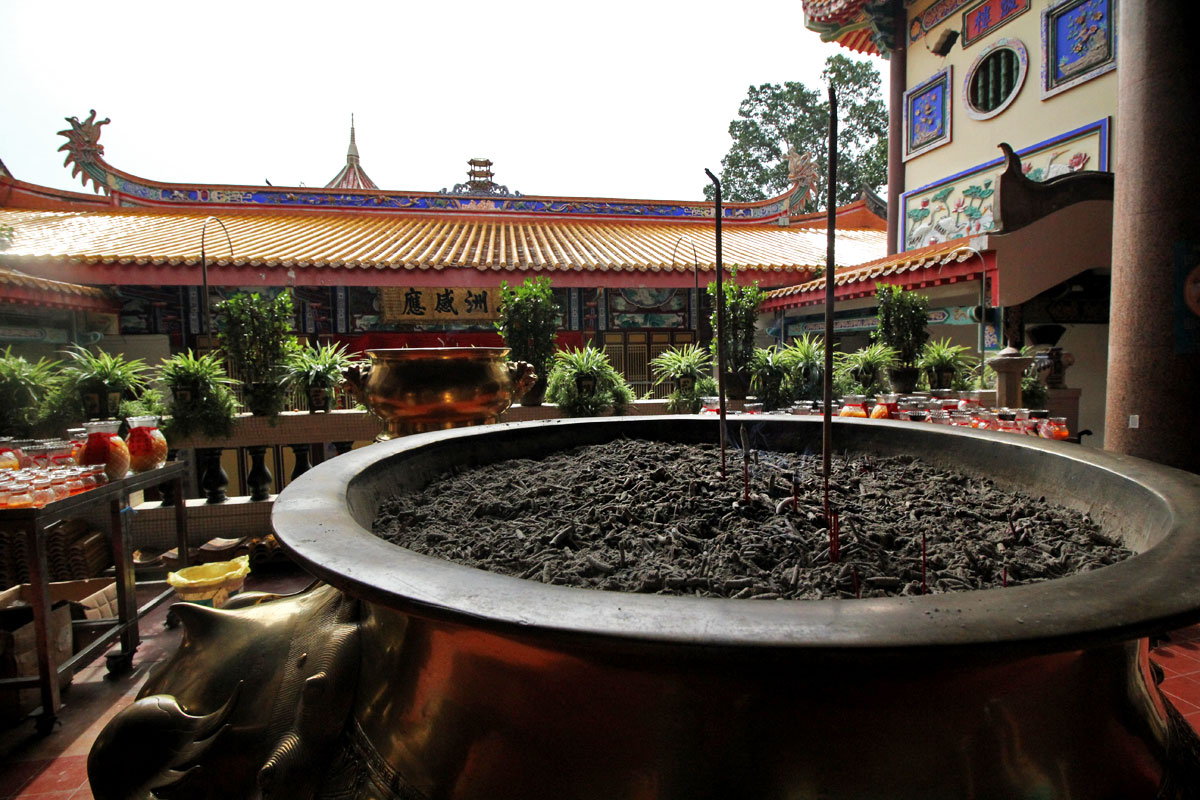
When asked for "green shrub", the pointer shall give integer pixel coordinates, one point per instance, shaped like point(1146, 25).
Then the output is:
point(588, 364)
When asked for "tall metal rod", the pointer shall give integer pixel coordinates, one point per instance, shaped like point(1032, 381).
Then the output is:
point(208, 328)
point(830, 237)
point(720, 320)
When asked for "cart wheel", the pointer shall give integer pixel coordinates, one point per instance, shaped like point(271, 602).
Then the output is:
point(44, 724)
point(118, 663)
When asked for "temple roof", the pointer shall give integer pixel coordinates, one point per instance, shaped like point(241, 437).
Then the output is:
point(376, 242)
point(945, 262)
point(21, 289)
point(352, 175)
point(144, 228)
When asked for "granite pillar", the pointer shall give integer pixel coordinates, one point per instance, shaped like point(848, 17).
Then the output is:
point(1153, 375)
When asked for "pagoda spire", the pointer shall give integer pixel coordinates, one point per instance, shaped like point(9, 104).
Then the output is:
point(352, 175)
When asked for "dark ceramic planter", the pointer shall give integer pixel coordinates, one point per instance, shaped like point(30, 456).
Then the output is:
point(585, 385)
point(101, 401)
point(904, 379)
point(318, 399)
point(481, 685)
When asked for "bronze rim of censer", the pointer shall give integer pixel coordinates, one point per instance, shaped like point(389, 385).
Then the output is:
point(417, 677)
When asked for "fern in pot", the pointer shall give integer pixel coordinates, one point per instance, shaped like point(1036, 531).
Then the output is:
point(317, 371)
point(583, 383)
point(103, 380)
point(805, 361)
point(201, 400)
point(864, 370)
point(689, 367)
point(24, 385)
point(944, 364)
point(769, 378)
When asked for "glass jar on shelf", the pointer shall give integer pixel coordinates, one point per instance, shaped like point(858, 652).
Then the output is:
point(1056, 428)
point(146, 443)
point(1006, 421)
point(43, 492)
point(75, 480)
point(104, 447)
point(58, 483)
point(99, 475)
point(20, 495)
point(852, 406)
point(1037, 420)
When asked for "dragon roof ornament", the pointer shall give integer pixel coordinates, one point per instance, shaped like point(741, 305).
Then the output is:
point(84, 148)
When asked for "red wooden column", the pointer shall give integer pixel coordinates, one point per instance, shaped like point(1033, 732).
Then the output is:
point(897, 83)
point(1153, 378)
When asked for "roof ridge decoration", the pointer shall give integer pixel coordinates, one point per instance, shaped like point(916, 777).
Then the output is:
point(351, 176)
point(84, 149)
point(865, 26)
point(480, 181)
point(802, 172)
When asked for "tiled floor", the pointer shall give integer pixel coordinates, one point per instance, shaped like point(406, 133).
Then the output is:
point(55, 767)
point(1179, 658)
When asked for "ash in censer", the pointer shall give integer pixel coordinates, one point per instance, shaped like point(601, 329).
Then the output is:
point(640, 516)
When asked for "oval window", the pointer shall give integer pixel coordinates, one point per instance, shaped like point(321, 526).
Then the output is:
point(995, 78)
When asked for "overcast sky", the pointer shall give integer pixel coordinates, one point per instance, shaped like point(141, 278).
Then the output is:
point(614, 99)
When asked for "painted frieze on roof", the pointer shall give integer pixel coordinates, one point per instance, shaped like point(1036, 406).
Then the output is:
point(85, 151)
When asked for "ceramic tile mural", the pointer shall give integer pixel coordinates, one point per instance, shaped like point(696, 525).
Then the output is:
point(988, 15)
point(927, 115)
point(1079, 42)
point(961, 205)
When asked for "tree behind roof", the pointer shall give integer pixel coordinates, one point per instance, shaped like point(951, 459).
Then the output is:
point(774, 116)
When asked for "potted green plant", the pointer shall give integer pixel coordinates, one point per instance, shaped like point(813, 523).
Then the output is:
point(202, 401)
point(741, 315)
point(24, 385)
point(863, 371)
point(317, 371)
point(102, 380)
point(529, 320)
point(769, 377)
point(943, 363)
point(804, 358)
point(690, 368)
point(582, 383)
point(903, 317)
point(256, 339)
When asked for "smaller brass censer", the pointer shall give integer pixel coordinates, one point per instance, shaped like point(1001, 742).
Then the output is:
point(419, 389)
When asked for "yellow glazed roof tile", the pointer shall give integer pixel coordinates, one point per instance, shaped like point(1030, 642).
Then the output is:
point(365, 241)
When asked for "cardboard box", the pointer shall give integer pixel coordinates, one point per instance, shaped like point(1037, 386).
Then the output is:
point(69, 600)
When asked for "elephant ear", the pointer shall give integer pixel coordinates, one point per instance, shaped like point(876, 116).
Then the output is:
point(169, 742)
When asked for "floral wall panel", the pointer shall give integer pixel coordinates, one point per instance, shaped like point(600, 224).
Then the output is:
point(927, 115)
point(1079, 42)
point(961, 205)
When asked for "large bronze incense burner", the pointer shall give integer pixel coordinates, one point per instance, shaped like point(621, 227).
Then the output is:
point(411, 677)
point(420, 389)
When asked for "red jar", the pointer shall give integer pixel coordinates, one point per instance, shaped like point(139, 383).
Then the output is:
point(146, 443)
point(106, 448)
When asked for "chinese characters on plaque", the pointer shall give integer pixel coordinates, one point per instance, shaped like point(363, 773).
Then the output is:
point(414, 304)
